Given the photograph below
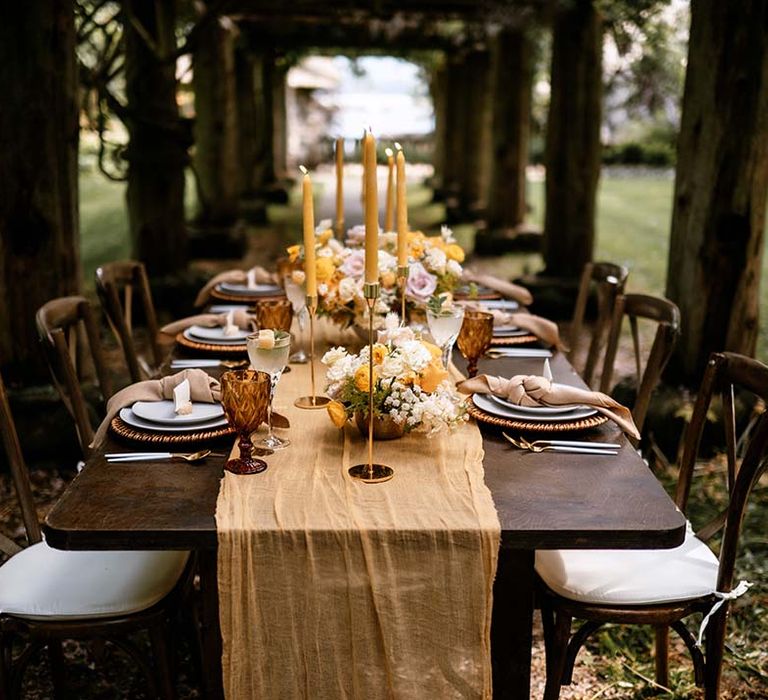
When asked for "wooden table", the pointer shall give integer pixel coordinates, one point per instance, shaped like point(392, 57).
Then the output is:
point(544, 501)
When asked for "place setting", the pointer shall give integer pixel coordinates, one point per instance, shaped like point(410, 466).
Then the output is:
point(179, 409)
point(537, 404)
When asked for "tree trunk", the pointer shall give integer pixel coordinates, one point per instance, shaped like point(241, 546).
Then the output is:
point(456, 119)
point(157, 152)
point(278, 75)
point(477, 137)
point(513, 78)
point(39, 234)
point(720, 187)
point(572, 154)
point(216, 136)
point(438, 87)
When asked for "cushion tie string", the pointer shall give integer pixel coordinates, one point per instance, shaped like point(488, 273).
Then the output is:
point(740, 590)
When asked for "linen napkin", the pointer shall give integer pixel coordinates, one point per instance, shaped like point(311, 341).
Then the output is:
point(240, 318)
point(544, 329)
point(202, 387)
point(530, 390)
point(230, 327)
point(258, 274)
point(506, 289)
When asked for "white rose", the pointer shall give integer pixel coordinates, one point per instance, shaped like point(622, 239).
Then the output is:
point(436, 260)
point(347, 289)
point(452, 267)
point(333, 356)
point(392, 366)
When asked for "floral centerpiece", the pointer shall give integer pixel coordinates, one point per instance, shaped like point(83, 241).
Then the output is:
point(410, 384)
point(434, 267)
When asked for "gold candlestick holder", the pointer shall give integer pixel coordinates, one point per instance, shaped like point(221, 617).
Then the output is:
point(312, 401)
point(371, 472)
point(402, 280)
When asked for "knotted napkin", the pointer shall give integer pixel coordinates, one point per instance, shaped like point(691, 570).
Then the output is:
point(544, 329)
point(506, 289)
point(258, 273)
point(202, 387)
point(531, 390)
point(241, 318)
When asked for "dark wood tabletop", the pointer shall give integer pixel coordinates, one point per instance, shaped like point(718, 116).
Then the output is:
point(543, 500)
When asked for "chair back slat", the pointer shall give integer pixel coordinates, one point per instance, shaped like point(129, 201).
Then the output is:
point(609, 280)
point(667, 317)
point(61, 323)
point(725, 372)
point(19, 474)
point(129, 278)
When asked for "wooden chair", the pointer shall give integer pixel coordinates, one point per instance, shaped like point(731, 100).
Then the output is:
point(64, 325)
point(126, 278)
point(663, 587)
point(609, 280)
point(666, 315)
point(48, 595)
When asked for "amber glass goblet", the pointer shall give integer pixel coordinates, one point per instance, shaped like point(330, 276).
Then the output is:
point(475, 337)
point(245, 398)
point(276, 314)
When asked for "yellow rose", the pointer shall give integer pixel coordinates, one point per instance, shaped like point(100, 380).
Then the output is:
point(435, 351)
point(361, 379)
point(337, 413)
point(388, 279)
point(293, 252)
point(379, 353)
point(436, 242)
point(408, 378)
point(324, 269)
point(416, 244)
point(324, 236)
point(432, 376)
point(455, 252)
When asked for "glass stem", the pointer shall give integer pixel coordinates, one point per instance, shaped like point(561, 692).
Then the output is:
point(272, 386)
point(302, 326)
point(447, 350)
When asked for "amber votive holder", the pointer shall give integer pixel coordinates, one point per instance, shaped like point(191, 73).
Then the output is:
point(475, 338)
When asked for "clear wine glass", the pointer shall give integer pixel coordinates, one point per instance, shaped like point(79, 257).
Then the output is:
point(298, 298)
point(444, 326)
point(271, 360)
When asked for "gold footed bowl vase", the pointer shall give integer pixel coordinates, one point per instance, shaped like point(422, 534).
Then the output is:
point(384, 427)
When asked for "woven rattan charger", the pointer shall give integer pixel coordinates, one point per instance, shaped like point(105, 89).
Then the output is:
point(124, 431)
point(217, 348)
point(534, 426)
point(513, 340)
point(245, 299)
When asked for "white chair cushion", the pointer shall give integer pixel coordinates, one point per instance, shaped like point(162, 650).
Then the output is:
point(45, 583)
point(631, 576)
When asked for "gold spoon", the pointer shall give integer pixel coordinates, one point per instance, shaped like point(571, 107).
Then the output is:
point(234, 364)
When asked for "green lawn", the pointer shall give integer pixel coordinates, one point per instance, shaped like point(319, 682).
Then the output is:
point(633, 219)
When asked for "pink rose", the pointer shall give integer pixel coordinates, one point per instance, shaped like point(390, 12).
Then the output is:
point(421, 284)
point(354, 264)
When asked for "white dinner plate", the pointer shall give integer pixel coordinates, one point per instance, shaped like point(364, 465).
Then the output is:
point(535, 410)
point(133, 420)
point(259, 290)
point(163, 412)
point(484, 403)
point(237, 341)
point(500, 304)
point(509, 332)
point(226, 308)
point(217, 333)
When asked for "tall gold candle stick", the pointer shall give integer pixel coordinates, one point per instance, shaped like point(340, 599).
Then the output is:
point(313, 401)
point(371, 472)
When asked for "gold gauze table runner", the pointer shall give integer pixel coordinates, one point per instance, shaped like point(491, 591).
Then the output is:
point(332, 588)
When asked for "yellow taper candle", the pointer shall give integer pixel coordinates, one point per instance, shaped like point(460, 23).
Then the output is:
point(389, 211)
point(308, 211)
point(402, 212)
point(371, 211)
point(340, 184)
